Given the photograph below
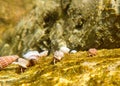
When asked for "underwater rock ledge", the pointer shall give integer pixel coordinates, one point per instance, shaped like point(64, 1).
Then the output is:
point(79, 25)
point(76, 24)
point(74, 70)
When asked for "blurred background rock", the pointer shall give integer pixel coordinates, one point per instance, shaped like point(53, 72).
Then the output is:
point(11, 12)
point(78, 25)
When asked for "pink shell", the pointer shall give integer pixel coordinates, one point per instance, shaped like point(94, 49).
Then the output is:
point(58, 55)
point(92, 52)
point(6, 60)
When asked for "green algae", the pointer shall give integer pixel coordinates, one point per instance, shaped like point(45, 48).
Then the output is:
point(73, 70)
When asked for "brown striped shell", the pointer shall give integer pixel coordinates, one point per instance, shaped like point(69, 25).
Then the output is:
point(6, 60)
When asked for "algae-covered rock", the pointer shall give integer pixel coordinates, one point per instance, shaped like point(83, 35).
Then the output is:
point(73, 70)
point(11, 11)
point(79, 25)
point(76, 24)
point(33, 31)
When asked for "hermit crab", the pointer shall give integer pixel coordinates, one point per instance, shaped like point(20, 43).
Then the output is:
point(58, 55)
point(92, 52)
point(29, 59)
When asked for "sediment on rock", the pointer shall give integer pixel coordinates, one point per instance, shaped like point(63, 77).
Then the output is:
point(78, 25)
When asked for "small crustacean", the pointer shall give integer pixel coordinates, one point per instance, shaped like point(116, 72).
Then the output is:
point(58, 55)
point(31, 55)
point(7, 60)
point(23, 64)
point(92, 52)
point(64, 49)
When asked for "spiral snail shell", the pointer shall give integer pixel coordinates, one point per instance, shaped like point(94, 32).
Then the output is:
point(35, 55)
point(7, 60)
point(31, 55)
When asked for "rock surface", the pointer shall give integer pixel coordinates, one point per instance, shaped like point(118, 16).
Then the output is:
point(73, 70)
point(11, 11)
point(76, 24)
point(52, 24)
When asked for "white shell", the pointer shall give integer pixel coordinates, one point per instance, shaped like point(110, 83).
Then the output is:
point(22, 62)
point(58, 55)
point(64, 49)
point(31, 55)
point(73, 51)
point(44, 53)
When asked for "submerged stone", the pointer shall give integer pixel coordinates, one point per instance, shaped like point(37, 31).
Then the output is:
point(74, 70)
point(77, 24)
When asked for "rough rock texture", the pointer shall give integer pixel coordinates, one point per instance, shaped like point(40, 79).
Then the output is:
point(73, 70)
point(11, 11)
point(79, 25)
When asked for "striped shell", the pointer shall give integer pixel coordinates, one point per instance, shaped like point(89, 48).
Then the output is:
point(6, 60)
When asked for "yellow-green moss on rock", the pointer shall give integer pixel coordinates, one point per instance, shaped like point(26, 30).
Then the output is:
point(73, 70)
